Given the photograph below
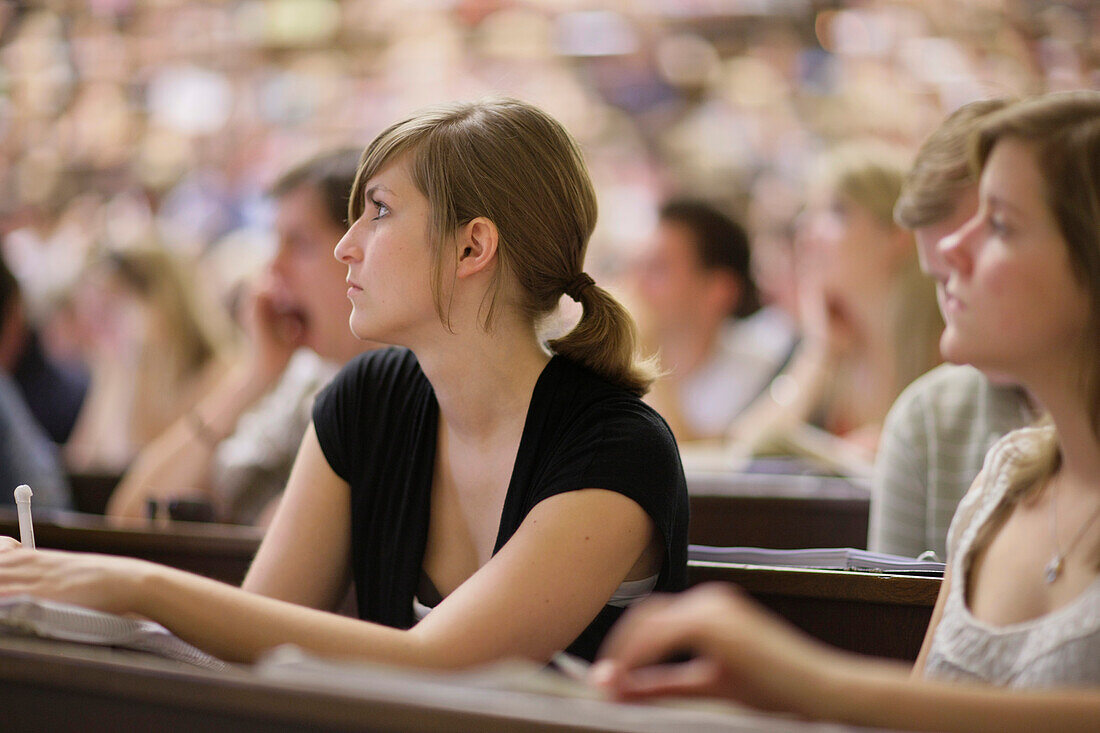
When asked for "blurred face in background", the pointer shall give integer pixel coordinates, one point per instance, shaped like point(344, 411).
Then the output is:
point(306, 281)
point(928, 239)
point(113, 317)
point(845, 256)
point(676, 290)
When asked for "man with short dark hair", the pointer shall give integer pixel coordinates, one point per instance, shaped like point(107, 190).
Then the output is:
point(701, 310)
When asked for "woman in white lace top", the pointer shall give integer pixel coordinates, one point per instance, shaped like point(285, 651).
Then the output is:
point(1019, 608)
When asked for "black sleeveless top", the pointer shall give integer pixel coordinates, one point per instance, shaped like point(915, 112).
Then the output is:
point(377, 426)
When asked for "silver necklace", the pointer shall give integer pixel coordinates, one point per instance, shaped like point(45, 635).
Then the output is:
point(1053, 569)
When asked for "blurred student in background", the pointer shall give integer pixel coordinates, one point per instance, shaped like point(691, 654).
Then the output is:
point(236, 446)
point(869, 318)
point(27, 455)
point(703, 313)
point(941, 427)
point(153, 349)
point(53, 392)
point(1014, 639)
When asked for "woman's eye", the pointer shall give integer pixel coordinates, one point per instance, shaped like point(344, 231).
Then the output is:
point(379, 207)
point(997, 225)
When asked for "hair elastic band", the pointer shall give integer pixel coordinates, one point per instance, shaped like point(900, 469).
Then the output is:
point(578, 285)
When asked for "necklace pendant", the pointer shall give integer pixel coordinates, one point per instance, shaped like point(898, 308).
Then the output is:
point(1053, 569)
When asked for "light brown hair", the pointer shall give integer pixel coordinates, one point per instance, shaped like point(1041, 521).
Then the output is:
point(941, 169)
point(512, 163)
point(870, 173)
point(331, 174)
point(1063, 131)
point(155, 276)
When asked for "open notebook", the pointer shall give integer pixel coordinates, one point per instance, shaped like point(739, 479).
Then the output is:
point(830, 558)
point(65, 622)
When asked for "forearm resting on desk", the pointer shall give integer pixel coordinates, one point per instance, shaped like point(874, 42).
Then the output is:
point(864, 694)
point(746, 654)
point(179, 460)
point(789, 400)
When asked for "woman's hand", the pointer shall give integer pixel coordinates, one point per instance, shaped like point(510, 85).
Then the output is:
point(102, 582)
point(740, 652)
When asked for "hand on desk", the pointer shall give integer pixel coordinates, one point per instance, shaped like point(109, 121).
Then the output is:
point(740, 652)
point(101, 582)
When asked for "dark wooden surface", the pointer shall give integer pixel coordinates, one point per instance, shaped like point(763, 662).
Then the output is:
point(218, 551)
point(781, 523)
point(54, 686)
point(777, 511)
point(868, 613)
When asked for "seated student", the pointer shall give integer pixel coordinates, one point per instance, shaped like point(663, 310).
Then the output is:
point(529, 490)
point(701, 304)
point(869, 319)
point(236, 447)
point(941, 427)
point(53, 392)
point(1020, 602)
point(27, 455)
point(153, 349)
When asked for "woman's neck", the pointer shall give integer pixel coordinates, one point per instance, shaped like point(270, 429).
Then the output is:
point(483, 381)
point(1080, 448)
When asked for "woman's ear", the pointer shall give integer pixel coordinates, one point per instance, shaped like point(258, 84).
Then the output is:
point(476, 246)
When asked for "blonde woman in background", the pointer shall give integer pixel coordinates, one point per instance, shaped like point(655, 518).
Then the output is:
point(869, 319)
point(154, 346)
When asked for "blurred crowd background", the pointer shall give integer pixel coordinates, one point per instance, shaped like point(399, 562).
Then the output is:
point(161, 123)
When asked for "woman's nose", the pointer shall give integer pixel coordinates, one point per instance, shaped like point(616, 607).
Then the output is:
point(347, 250)
point(955, 249)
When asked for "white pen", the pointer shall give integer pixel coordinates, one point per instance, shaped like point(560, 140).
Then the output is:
point(23, 507)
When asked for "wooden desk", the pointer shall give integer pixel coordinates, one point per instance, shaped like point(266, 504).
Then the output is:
point(778, 512)
point(869, 613)
point(218, 551)
point(52, 686)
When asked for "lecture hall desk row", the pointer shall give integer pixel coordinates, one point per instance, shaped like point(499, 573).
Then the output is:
point(727, 509)
point(869, 613)
point(55, 686)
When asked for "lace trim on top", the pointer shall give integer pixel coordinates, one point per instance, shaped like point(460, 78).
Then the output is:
point(1058, 648)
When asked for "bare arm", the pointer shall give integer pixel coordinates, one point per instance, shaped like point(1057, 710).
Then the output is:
point(528, 601)
point(304, 556)
point(788, 402)
point(933, 624)
point(179, 459)
point(748, 655)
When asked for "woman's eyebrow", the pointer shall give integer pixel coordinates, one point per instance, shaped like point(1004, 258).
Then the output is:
point(376, 189)
point(1003, 203)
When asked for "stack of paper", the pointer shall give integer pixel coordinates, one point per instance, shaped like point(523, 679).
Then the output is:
point(829, 558)
point(65, 622)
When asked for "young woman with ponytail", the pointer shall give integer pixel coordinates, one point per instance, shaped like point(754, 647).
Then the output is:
point(490, 495)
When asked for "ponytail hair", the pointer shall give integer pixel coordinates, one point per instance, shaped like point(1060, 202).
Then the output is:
point(605, 339)
point(512, 163)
